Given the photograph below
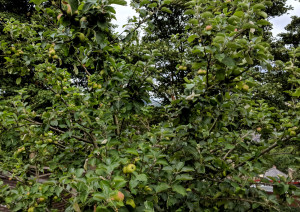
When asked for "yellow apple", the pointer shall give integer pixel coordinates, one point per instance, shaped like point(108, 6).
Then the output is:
point(201, 72)
point(131, 168)
point(245, 87)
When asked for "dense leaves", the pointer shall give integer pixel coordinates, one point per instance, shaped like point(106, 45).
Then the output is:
point(79, 123)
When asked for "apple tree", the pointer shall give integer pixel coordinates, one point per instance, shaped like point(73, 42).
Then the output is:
point(83, 129)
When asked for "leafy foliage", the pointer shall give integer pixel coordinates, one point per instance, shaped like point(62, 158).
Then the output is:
point(80, 112)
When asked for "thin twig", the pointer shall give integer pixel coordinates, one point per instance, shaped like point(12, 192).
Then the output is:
point(60, 131)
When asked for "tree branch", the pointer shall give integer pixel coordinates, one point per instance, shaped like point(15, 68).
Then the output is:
point(60, 131)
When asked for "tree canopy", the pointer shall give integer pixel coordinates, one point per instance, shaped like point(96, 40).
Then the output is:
point(79, 122)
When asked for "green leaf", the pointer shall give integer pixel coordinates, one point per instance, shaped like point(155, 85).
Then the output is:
point(184, 177)
point(153, 5)
point(141, 177)
point(101, 208)
point(100, 38)
point(262, 14)
point(296, 93)
point(192, 38)
point(206, 14)
point(18, 81)
point(220, 75)
point(75, 69)
point(239, 14)
point(143, 2)
point(228, 61)
point(249, 59)
point(167, 2)
point(132, 151)
point(167, 10)
point(259, 6)
point(179, 189)
point(189, 86)
point(74, 5)
point(99, 196)
point(161, 187)
point(76, 207)
point(79, 172)
point(38, 2)
point(189, 12)
point(118, 2)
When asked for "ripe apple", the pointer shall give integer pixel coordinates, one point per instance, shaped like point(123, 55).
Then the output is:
point(258, 129)
point(235, 29)
point(131, 168)
point(125, 170)
point(201, 72)
point(118, 197)
point(181, 67)
point(208, 28)
point(41, 199)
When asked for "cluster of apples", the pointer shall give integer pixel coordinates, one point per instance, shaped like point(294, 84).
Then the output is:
point(292, 131)
point(182, 68)
point(52, 53)
point(201, 72)
point(130, 168)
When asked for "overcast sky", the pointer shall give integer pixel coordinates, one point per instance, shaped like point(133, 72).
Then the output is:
point(123, 13)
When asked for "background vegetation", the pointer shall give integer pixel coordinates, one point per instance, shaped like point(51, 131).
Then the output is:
point(180, 117)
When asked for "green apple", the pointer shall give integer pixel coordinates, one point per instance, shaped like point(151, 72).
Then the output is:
point(130, 202)
point(293, 133)
point(125, 170)
point(81, 37)
point(131, 168)
point(245, 87)
point(31, 209)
